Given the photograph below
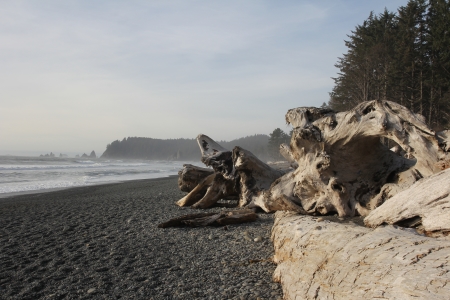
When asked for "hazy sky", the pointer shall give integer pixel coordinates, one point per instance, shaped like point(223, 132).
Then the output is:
point(77, 75)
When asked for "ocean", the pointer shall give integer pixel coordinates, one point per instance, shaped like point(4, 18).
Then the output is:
point(20, 174)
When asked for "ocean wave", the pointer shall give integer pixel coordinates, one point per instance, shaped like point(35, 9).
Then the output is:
point(25, 175)
point(43, 167)
point(84, 161)
point(74, 166)
point(41, 186)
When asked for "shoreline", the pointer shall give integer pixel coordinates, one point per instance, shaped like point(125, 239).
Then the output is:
point(6, 196)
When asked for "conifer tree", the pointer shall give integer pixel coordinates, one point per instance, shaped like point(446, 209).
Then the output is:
point(402, 57)
point(276, 138)
point(410, 53)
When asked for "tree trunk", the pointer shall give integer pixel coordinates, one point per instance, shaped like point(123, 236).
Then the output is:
point(208, 191)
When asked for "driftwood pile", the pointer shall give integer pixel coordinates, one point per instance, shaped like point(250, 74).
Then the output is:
point(338, 163)
point(379, 161)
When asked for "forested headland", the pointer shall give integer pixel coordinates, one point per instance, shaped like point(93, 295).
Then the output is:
point(401, 56)
point(265, 147)
point(178, 149)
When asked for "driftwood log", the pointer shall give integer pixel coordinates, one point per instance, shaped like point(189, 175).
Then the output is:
point(237, 173)
point(330, 260)
point(425, 206)
point(190, 176)
point(212, 219)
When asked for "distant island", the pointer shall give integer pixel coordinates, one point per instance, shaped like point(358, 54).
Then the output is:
point(47, 155)
point(92, 155)
point(61, 155)
point(179, 149)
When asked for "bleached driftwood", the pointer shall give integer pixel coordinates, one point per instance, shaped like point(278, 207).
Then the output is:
point(329, 260)
point(209, 190)
point(343, 167)
point(254, 176)
point(286, 152)
point(426, 205)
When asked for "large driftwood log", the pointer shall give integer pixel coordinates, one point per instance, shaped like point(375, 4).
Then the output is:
point(254, 176)
point(343, 166)
point(220, 184)
point(329, 260)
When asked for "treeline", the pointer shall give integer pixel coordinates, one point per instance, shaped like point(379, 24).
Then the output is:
point(402, 57)
point(178, 149)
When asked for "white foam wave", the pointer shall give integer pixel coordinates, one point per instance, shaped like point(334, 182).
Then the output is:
point(41, 186)
point(28, 175)
point(73, 166)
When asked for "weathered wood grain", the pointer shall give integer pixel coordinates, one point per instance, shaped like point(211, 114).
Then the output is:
point(190, 176)
point(427, 203)
point(329, 260)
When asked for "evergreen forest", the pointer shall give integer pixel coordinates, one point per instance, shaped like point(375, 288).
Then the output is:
point(401, 56)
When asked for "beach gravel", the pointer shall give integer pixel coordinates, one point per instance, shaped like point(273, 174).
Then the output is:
point(102, 242)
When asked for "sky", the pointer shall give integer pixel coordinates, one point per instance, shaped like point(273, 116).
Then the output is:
point(77, 75)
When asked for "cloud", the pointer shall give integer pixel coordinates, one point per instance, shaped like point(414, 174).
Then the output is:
point(101, 70)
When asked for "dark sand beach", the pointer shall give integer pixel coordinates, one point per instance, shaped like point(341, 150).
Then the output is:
point(102, 242)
